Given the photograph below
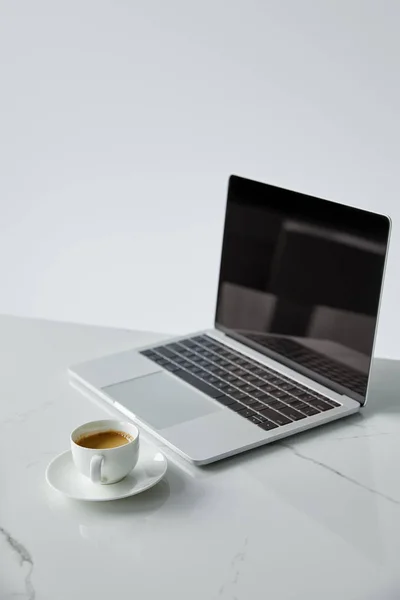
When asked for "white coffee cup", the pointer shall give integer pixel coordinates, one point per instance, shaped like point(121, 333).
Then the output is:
point(107, 465)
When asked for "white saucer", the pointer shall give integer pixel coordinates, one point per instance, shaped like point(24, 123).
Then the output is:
point(62, 475)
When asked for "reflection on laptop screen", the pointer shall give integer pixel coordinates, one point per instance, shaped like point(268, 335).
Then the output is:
point(301, 280)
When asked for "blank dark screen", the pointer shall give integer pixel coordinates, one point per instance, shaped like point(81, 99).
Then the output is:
point(300, 281)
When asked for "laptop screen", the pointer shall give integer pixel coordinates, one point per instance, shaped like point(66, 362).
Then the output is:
point(301, 280)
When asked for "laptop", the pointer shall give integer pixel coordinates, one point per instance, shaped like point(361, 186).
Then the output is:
point(297, 306)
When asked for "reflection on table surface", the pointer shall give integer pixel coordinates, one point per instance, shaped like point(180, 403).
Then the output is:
point(314, 516)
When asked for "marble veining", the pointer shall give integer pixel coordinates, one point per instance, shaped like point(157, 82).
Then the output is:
point(235, 570)
point(24, 557)
point(348, 478)
point(253, 526)
point(365, 435)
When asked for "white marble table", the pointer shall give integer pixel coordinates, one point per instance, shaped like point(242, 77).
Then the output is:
point(316, 517)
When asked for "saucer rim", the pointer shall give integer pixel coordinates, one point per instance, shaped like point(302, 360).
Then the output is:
point(147, 486)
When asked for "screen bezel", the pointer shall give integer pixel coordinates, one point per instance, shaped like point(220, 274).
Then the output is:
point(274, 355)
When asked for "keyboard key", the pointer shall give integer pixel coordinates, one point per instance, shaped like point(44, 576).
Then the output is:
point(179, 359)
point(193, 369)
point(250, 378)
point(251, 366)
point(229, 377)
point(207, 349)
point(249, 401)
point(268, 425)
point(186, 365)
point(279, 393)
point(302, 387)
point(160, 361)
point(220, 384)
point(229, 390)
point(201, 351)
point(218, 372)
point(333, 403)
point(214, 369)
point(299, 405)
point(298, 391)
point(225, 364)
point(212, 379)
point(255, 419)
point(259, 394)
point(210, 343)
point(234, 370)
point(239, 395)
point(275, 380)
point(276, 417)
point(239, 372)
point(188, 344)
point(246, 412)
point(293, 401)
point(166, 352)
point(268, 373)
point(259, 371)
point(149, 354)
point(309, 410)
point(317, 403)
point(240, 361)
point(204, 363)
point(293, 414)
point(272, 402)
point(236, 406)
point(200, 338)
point(267, 387)
point(240, 383)
point(225, 400)
point(171, 367)
point(205, 340)
point(249, 389)
point(202, 374)
point(262, 418)
point(248, 365)
point(174, 347)
point(217, 360)
point(266, 398)
point(287, 386)
point(307, 397)
point(254, 404)
point(198, 384)
point(277, 405)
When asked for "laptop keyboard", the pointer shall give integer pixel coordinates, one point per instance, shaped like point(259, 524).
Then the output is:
point(323, 365)
point(254, 391)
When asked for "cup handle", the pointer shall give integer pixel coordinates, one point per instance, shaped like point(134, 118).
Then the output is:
point(95, 468)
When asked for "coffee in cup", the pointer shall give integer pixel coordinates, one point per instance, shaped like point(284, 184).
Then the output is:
point(105, 451)
point(104, 439)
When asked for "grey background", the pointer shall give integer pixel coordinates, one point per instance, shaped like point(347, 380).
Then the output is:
point(121, 121)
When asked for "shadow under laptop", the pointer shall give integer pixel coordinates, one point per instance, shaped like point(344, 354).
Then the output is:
point(341, 474)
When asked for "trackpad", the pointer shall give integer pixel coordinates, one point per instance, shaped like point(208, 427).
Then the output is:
point(160, 400)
